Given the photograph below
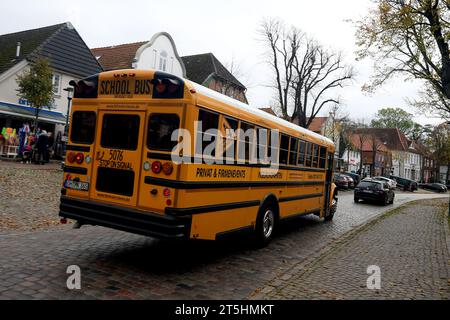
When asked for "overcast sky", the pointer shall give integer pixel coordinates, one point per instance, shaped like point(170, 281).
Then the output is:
point(225, 28)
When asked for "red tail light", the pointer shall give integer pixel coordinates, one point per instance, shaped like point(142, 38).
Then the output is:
point(156, 167)
point(71, 157)
point(79, 158)
point(166, 192)
point(167, 168)
point(160, 87)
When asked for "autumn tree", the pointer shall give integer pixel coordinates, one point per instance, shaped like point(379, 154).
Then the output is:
point(305, 73)
point(438, 140)
point(409, 38)
point(400, 119)
point(36, 86)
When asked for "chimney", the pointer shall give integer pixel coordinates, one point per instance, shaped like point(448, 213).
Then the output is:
point(18, 49)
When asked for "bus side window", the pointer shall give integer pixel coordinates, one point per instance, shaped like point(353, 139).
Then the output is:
point(263, 144)
point(322, 159)
point(301, 155)
point(284, 149)
point(209, 120)
point(230, 127)
point(308, 154)
point(293, 152)
point(247, 141)
point(315, 161)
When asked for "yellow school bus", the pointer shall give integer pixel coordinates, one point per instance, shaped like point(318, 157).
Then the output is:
point(130, 128)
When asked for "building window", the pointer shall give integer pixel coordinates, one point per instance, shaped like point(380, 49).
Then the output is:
point(163, 61)
point(56, 81)
point(155, 54)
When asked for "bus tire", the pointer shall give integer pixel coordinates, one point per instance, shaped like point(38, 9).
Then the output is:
point(333, 209)
point(265, 224)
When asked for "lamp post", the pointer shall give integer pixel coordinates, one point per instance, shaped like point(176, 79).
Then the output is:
point(65, 139)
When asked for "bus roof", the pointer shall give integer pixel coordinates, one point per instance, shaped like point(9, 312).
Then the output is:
point(259, 113)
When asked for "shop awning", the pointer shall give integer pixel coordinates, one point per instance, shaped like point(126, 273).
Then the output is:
point(21, 111)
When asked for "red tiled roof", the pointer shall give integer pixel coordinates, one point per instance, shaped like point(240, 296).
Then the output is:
point(367, 142)
point(117, 57)
point(317, 123)
point(268, 110)
point(394, 138)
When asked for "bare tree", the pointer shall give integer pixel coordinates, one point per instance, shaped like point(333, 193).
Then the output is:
point(283, 44)
point(362, 138)
point(304, 72)
point(317, 73)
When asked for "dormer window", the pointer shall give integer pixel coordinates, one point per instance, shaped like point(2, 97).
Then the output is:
point(163, 60)
point(56, 81)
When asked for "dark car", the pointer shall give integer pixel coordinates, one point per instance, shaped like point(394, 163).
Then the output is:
point(405, 184)
point(340, 181)
point(438, 187)
point(374, 190)
point(351, 182)
point(356, 178)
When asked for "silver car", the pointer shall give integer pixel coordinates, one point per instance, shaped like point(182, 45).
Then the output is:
point(392, 183)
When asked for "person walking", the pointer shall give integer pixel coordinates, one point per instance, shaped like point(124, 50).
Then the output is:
point(42, 145)
point(50, 143)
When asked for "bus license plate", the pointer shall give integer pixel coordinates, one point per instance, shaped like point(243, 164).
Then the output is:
point(77, 185)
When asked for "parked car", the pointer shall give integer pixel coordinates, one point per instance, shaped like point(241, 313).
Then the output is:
point(340, 181)
point(447, 184)
point(374, 190)
point(405, 184)
point(351, 182)
point(391, 182)
point(356, 177)
point(438, 187)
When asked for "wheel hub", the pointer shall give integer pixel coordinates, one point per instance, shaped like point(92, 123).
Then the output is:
point(268, 223)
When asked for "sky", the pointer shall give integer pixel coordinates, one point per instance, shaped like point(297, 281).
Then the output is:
point(228, 29)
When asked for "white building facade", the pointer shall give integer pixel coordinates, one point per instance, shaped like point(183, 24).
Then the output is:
point(352, 160)
point(160, 53)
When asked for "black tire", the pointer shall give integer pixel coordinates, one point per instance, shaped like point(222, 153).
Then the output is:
point(392, 200)
point(386, 200)
point(356, 199)
point(265, 225)
point(333, 209)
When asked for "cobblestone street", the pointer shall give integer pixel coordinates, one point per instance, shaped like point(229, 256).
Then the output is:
point(409, 246)
point(118, 265)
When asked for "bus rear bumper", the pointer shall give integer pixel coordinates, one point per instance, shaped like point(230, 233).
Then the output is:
point(125, 219)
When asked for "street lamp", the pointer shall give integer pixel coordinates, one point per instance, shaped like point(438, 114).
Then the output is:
point(69, 91)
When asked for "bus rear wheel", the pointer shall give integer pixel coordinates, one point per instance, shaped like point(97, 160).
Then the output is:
point(265, 225)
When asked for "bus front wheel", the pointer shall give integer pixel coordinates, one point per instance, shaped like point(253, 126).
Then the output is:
point(265, 225)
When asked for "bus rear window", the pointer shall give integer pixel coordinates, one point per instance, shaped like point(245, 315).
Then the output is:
point(83, 127)
point(120, 131)
point(160, 129)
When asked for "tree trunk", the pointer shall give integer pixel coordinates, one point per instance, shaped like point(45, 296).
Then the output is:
point(448, 173)
point(36, 117)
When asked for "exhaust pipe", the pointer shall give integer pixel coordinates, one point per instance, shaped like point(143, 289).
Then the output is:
point(78, 225)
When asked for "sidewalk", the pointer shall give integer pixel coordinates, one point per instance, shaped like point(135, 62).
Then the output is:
point(17, 164)
point(409, 244)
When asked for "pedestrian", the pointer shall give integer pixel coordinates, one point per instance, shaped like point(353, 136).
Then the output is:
point(42, 145)
point(51, 142)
